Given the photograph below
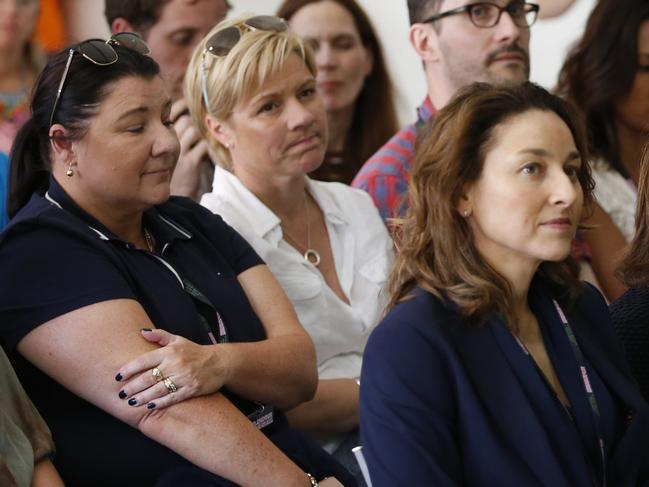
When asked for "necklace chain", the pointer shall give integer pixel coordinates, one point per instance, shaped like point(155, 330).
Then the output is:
point(150, 243)
point(311, 255)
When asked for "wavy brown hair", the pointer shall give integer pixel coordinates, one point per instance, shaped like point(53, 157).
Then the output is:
point(435, 244)
point(599, 71)
point(374, 120)
point(634, 269)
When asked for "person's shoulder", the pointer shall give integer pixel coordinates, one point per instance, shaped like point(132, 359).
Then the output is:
point(588, 303)
point(189, 214)
point(42, 220)
point(392, 158)
point(350, 200)
point(632, 306)
point(423, 314)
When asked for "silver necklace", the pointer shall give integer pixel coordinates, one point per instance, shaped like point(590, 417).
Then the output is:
point(311, 255)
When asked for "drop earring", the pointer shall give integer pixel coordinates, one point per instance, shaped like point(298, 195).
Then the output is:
point(69, 173)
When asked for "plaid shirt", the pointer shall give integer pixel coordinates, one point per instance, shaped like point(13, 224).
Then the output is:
point(385, 175)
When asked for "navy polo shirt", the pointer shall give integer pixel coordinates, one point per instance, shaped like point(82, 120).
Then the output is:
point(57, 258)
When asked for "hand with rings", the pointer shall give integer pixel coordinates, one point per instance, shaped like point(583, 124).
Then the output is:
point(178, 370)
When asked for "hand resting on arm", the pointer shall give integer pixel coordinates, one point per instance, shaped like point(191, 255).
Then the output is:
point(82, 349)
point(279, 370)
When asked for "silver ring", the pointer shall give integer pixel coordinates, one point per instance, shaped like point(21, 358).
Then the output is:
point(171, 387)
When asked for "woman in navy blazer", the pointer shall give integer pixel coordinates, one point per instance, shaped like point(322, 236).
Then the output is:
point(494, 365)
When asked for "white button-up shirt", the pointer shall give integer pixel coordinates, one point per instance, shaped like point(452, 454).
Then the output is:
point(362, 251)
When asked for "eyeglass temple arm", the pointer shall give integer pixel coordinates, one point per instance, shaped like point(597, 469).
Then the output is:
point(58, 92)
point(204, 84)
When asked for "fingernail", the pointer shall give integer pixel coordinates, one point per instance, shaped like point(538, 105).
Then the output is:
point(132, 402)
point(151, 405)
point(146, 329)
point(118, 377)
point(122, 395)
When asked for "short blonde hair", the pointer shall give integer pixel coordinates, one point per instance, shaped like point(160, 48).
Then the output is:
point(234, 78)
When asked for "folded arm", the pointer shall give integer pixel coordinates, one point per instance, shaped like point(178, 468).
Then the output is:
point(82, 349)
point(280, 370)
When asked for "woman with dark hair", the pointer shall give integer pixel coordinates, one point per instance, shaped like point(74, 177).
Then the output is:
point(606, 75)
point(630, 312)
point(494, 364)
point(149, 334)
point(352, 80)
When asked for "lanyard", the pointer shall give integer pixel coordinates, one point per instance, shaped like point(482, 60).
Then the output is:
point(590, 395)
point(261, 415)
point(207, 313)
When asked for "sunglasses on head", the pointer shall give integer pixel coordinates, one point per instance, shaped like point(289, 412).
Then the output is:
point(101, 53)
point(221, 43)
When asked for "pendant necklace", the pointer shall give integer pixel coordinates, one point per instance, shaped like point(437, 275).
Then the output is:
point(311, 255)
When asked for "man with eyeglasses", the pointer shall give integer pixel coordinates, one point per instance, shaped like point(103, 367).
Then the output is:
point(172, 28)
point(459, 42)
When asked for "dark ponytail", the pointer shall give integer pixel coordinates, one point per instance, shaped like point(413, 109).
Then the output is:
point(85, 87)
point(29, 170)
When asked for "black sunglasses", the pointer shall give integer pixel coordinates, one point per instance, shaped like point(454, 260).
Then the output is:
point(485, 14)
point(221, 43)
point(101, 53)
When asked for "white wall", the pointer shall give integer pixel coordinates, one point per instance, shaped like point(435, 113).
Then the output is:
point(550, 40)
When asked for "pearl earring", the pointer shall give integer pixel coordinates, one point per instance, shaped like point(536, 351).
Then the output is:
point(466, 213)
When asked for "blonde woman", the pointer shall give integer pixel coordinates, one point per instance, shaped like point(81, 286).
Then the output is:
point(251, 89)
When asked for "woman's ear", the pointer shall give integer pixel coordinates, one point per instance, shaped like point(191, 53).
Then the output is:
point(221, 131)
point(61, 144)
point(464, 206)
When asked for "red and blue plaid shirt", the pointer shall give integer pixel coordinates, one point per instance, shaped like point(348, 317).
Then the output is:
point(385, 175)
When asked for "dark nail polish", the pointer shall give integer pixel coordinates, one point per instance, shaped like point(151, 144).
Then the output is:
point(132, 402)
point(122, 395)
point(118, 377)
point(151, 405)
point(147, 329)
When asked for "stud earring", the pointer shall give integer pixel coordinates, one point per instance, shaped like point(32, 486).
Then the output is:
point(69, 173)
point(466, 213)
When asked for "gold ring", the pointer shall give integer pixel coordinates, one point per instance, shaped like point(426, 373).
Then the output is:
point(171, 387)
point(157, 374)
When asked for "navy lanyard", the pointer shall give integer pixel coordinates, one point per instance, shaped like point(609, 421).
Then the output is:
point(262, 415)
point(583, 372)
point(590, 394)
point(207, 313)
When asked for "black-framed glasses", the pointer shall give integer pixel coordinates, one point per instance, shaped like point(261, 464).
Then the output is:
point(221, 43)
point(101, 53)
point(485, 14)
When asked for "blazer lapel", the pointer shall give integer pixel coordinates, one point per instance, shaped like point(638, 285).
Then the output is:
point(508, 405)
